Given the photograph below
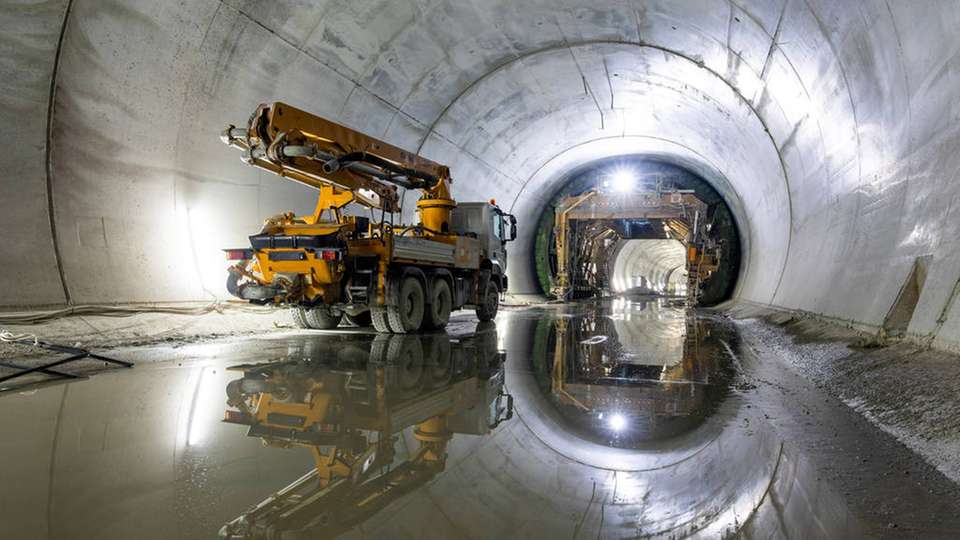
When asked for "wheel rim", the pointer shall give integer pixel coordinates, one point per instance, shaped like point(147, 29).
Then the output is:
point(441, 305)
point(409, 305)
point(411, 308)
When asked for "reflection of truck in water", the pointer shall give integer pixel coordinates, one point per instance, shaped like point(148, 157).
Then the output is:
point(349, 410)
point(328, 265)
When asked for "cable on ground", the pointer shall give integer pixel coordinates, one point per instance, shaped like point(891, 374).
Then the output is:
point(41, 317)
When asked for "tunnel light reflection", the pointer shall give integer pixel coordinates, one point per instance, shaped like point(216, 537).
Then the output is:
point(501, 333)
point(617, 422)
point(202, 394)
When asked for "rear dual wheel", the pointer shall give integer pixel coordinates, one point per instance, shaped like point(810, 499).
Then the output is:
point(412, 310)
point(378, 316)
point(299, 316)
point(315, 318)
point(405, 315)
point(361, 320)
point(437, 313)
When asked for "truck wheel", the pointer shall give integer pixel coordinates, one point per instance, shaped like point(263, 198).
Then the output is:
point(322, 318)
point(361, 320)
point(490, 303)
point(438, 359)
point(407, 314)
point(299, 316)
point(404, 366)
point(378, 316)
point(437, 314)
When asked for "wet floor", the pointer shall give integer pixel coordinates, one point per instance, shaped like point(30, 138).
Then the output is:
point(622, 418)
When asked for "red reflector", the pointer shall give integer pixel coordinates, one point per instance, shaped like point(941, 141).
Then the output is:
point(328, 255)
point(237, 254)
point(236, 417)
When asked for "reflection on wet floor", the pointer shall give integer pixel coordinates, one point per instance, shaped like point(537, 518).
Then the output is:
point(345, 400)
point(595, 419)
point(628, 372)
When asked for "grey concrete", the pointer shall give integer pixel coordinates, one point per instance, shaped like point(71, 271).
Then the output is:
point(661, 264)
point(829, 127)
point(143, 453)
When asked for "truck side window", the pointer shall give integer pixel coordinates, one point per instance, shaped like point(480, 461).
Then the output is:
point(497, 226)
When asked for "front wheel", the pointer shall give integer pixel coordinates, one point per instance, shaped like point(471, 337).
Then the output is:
point(490, 303)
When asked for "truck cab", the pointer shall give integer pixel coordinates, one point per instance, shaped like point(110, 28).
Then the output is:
point(493, 229)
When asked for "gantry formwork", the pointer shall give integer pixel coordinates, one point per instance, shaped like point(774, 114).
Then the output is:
point(586, 223)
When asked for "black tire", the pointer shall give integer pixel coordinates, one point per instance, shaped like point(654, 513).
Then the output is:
point(437, 313)
point(403, 362)
point(322, 318)
point(299, 316)
point(407, 314)
point(438, 359)
point(361, 320)
point(378, 316)
point(489, 303)
point(405, 356)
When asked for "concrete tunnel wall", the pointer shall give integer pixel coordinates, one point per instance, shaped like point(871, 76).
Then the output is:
point(661, 264)
point(829, 127)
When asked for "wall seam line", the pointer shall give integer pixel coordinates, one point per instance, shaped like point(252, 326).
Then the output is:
point(48, 166)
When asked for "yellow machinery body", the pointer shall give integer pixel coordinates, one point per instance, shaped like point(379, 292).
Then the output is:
point(345, 263)
point(348, 407)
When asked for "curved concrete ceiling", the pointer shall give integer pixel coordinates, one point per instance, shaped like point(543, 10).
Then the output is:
point(829, 128)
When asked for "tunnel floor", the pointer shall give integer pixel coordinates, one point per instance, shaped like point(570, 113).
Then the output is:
point(627, 417)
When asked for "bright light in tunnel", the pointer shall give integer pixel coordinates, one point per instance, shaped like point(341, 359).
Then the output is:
point(622, 180)
point(202, 265)
point(617, 422)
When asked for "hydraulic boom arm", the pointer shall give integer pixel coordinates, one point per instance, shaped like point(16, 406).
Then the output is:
point(295, 144)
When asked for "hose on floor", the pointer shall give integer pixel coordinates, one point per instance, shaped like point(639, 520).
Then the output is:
point(41, 317)
point(7, 336)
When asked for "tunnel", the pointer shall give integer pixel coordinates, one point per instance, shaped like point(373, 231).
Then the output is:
point(822, 127)
point(654, 264)
point(811, 392)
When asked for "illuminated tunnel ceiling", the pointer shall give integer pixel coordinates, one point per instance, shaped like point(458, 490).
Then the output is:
point(829, 127)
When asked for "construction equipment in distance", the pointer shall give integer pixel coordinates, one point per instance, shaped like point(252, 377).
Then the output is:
point(586, 225)
point(328, 266)
point(350, 409)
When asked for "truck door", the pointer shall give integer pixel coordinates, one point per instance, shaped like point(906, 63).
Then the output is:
point(498, 245)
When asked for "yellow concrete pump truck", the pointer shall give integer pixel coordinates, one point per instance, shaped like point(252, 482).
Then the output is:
point(329, 266)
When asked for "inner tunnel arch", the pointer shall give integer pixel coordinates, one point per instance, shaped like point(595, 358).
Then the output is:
point(836, 123)
point(652, 172)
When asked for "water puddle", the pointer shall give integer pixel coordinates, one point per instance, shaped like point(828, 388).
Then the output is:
point(630, 372)
point(603, 419)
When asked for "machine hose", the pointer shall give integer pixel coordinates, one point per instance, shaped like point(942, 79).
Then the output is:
point(42, 317)
point(353, 157)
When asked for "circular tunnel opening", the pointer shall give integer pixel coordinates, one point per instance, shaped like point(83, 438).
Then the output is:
point(656, 266)
point(637, 224)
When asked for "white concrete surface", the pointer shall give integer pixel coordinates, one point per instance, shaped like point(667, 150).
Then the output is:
point(658, 265)
point(830, 127)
